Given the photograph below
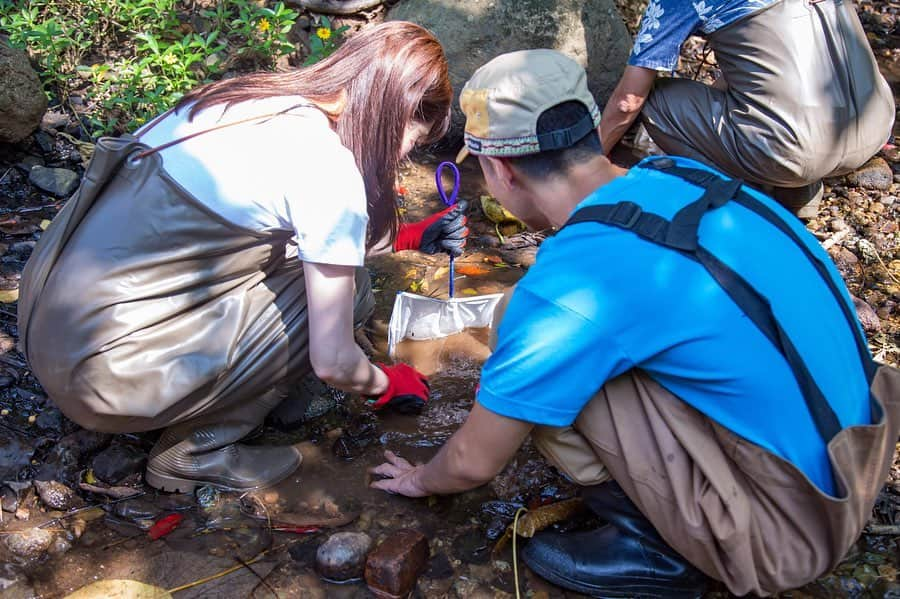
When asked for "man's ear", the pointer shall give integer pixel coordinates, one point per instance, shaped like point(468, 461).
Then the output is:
point(502, 171)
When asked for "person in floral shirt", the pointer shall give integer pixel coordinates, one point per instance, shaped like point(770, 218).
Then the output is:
point(799, 98)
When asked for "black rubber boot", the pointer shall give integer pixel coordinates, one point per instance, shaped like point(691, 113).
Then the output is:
point(625, 558)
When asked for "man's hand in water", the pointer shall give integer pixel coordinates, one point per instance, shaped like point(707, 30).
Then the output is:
point(474, 455)
point(402, 477)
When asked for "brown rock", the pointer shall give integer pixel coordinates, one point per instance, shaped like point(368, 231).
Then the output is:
point(867, 316)
point(393, 567)
point(343, 556)
point(875, 174)
point(22, 99)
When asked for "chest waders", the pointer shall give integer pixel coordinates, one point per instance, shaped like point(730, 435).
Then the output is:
point(736, 511)
point(681, 234)
point(140, 308)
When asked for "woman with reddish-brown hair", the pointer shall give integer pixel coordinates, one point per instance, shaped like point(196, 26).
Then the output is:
point(215, 257)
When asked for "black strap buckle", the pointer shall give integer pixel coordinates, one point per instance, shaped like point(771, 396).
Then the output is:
point(625, 215)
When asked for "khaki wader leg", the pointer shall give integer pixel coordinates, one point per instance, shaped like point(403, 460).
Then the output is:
point(204, 450)
point(804, 99)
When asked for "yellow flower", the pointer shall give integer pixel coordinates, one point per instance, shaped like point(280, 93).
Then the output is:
point(264, 24)
point(323, 33)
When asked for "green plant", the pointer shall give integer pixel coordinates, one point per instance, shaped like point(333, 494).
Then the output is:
point(88, 48)
point(324, 41)
point(264, 31)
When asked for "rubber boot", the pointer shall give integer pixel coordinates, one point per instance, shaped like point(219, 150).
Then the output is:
point(803, 201)
point(204, 451)
point(624, 558)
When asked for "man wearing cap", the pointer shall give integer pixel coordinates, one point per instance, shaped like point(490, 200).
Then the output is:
point(800, 97)
point(658, 356)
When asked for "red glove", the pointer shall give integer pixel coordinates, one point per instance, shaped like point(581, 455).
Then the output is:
point(407, 389)
point(445, 231)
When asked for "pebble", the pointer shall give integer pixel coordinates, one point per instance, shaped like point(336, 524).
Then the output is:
point(118, 461)
point(867, 316)
point(56, 495)
point(343, 556)
point(394, 566)
point(57, 181)
point(29, 543)
point(837, 224)
point(875, 174)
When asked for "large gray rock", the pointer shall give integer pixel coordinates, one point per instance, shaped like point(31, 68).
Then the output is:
point(474, 31)
point(22, 100)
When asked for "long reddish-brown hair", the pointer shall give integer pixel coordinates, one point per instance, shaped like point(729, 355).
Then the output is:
point(375, 84)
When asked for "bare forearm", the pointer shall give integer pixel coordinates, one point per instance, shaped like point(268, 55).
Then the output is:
point(351, 371)
point(625, 105)
point(450, 472)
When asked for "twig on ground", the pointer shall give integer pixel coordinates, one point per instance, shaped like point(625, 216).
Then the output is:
point(835, 239)
point(255, 573)
point(228, 571)
point(89, 507)
point(4, 174)
point(883, 529)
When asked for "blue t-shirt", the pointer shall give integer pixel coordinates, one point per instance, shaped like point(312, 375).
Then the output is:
point(667, 23)
point(600, 301)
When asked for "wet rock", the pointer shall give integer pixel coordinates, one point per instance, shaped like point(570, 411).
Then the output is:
point(394, 566)
point(57, 181)
point(28, 544)
point(9, 500)
point(439, 567)
point(867, 316)
point(472, 547)
point(29, 162)
point(50, 419)
point(118, 461)
point(343, 556)
point(471, 33)
point(13, 581)
point(875, 174)
point(136, 509)
point(15, 454)
point(22, 99)
point(57, 496)
point(63, 463)
point(59, 546)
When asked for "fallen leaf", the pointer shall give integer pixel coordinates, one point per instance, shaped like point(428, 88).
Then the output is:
point(8, 296)
point(440, 273)
point(89, 477)
point(469, 291)
point(164, 526)
point(472, 270)
point(119, 589)
point(44, 224)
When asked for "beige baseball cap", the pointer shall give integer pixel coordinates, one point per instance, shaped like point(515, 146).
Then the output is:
point(504, 98)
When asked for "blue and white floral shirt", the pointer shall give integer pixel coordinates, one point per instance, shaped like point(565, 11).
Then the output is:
point(667, 23)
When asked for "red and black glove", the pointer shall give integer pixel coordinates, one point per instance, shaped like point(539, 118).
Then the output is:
point(445, 231)
point(407, 390)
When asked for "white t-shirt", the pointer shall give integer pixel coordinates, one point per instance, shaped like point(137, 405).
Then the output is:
point(287, 172)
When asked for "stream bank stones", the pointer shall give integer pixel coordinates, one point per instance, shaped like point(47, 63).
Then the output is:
point(22, 99)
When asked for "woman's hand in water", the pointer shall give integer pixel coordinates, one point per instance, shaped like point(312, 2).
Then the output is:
point(402, 478)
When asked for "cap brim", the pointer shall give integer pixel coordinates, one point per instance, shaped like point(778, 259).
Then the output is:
point(463, 154)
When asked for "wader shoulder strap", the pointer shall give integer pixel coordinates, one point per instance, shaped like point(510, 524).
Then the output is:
point(680, 234)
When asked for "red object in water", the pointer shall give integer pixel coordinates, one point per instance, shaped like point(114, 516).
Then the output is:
point(164, 526)
point(300, 530)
